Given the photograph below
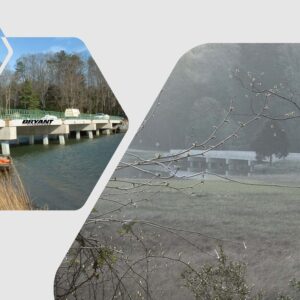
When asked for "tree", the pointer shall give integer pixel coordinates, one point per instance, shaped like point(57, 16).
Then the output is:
point(6, 88)
point(28, 98)
point(225, 280)
point(20, 71)
point(271, 140)
point(58, 81)
point(68, 71)
point(53, 97)
point(141, 242)
point(100, 98)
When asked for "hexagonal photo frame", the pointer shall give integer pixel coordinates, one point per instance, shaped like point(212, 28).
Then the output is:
point(60, 123)
point(204, 203)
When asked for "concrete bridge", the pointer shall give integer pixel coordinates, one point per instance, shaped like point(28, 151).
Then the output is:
point(31, 124)
point(218, 161)
point(225, 162)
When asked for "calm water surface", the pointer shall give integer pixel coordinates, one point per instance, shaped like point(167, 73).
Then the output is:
point(63, 176)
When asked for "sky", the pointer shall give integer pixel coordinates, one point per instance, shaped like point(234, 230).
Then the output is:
point(26, 45)
point(3, 50)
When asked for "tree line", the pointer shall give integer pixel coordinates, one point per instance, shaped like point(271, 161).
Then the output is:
point(56, 81)
point(202, 87)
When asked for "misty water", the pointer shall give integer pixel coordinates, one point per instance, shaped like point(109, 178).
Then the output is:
point(62, 176)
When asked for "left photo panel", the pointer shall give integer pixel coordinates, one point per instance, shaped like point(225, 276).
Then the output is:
point(60, 123)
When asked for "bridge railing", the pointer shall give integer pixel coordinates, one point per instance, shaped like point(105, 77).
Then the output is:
point(116, 118)
point(80, 117)
point(84, 116)
point(17, 114)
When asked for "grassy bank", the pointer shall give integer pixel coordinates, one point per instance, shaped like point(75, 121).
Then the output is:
point(13, 195)
point(267, 219)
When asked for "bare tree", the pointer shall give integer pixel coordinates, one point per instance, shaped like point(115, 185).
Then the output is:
point(59, 80)
point(117, 256)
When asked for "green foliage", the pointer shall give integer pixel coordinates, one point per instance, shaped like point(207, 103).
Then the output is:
point(226, 280)
point(28, 99)
point(295, 291)
point(105, 256)
point(126, 227)
point(295, 284)
point(20, 70)
point(272, 139)
point(223, 281)
point(53, 98)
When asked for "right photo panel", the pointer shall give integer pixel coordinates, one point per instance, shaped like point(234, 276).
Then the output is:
point(205, 203)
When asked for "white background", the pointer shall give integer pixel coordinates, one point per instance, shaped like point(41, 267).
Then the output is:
point(136, 45)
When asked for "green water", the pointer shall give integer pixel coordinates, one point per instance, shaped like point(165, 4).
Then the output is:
point(62, 176)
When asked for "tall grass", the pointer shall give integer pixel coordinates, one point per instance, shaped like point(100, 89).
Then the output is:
point(13, 195)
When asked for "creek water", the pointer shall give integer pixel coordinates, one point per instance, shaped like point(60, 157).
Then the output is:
point(61, 177)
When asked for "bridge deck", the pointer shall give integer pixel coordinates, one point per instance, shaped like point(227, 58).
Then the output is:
point(218, 154)
point(15, 123)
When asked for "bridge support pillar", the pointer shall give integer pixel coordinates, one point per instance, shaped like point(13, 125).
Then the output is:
point(31, 140)
point(45, 139)
point(227, 167)
point(90, 134)
point(61, 139)
point(208, 164)
point(5, 148)
point(231, 166)
point(250, 165)
point(78, 135)
point(107, 131)
point(189, 164)
point(97, 132)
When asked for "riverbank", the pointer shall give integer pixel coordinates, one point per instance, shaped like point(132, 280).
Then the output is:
point(13, 195)
point(265, 218)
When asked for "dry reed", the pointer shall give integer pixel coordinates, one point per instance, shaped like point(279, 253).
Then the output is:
point(13, 195)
